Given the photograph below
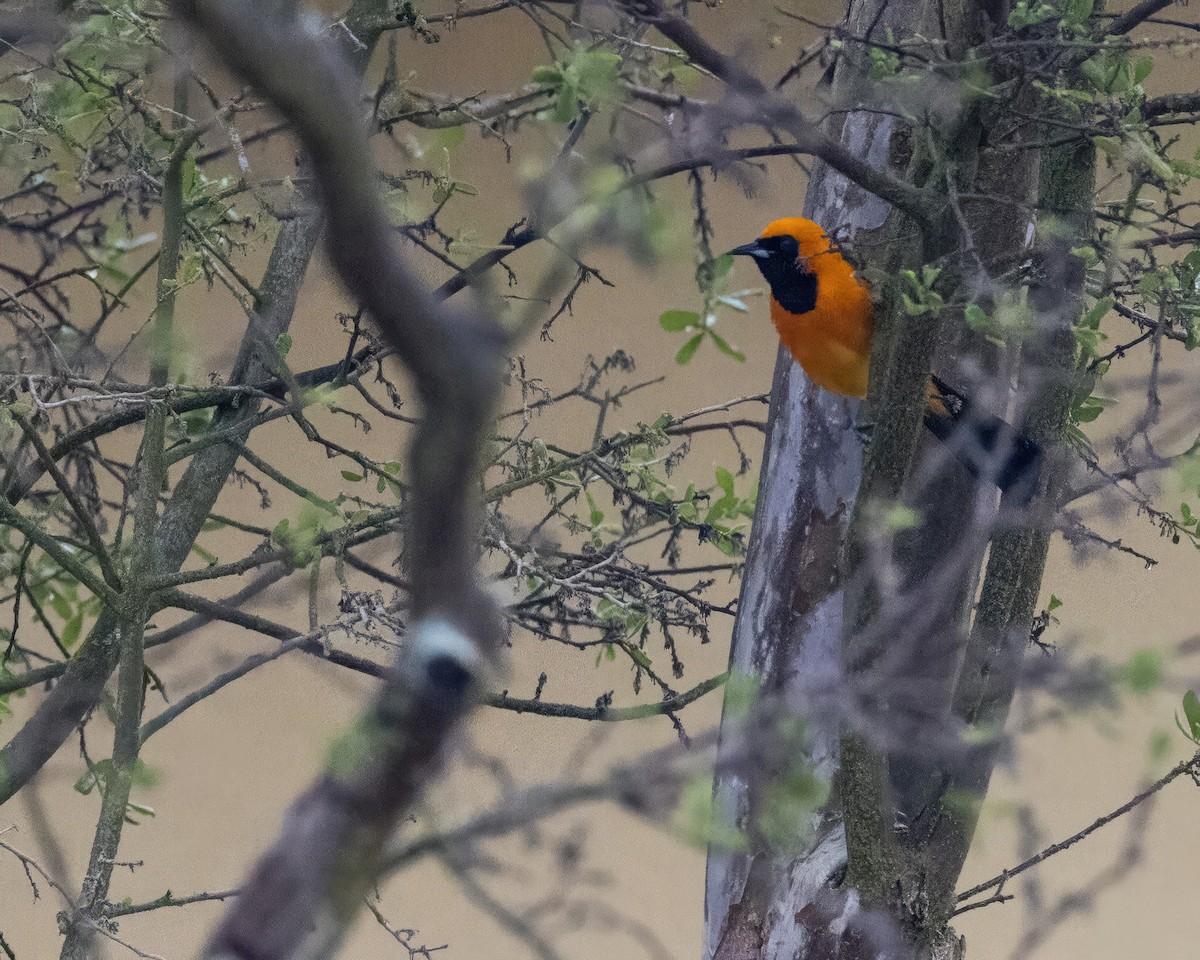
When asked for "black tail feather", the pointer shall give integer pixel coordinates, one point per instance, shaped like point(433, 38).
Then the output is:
point(990, 447)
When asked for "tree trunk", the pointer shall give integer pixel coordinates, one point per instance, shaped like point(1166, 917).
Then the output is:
point(789, 628)
point(867, 646)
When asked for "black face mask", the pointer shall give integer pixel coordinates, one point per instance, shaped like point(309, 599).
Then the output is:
point(777, 259)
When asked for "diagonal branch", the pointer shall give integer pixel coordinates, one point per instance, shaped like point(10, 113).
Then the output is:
point(1189, 766)
point(1136, 16)
point(304, 892)
point(774, 110)
point(85, 674)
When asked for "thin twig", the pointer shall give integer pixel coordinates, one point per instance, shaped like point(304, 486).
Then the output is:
point(1189, 766)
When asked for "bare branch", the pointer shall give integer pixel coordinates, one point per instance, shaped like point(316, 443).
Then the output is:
point(1136, 16)
point(1190, 766)
point(606, 713)
point(301, 896)
point(775, 110)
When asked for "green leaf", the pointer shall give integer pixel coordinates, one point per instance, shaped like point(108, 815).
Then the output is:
point(197, 422)
point(596, 73)
point(187, 173)
point(727, 348)
point(70, 632)
point(584, 78)
point(283, 345)
point(721, 266)
point(701, 823)
point(725, 481)
point(60, 604)
point(786, 814)
point(190, 269)
point(1028, 13)
point(1191, 712)
point(1075, 12)
point(608, 610)
point(1144, 671)
point(324, 394)
point(1099, 310)
point(96, 775)
point(143, 775)
point(1089, 410)
point(351, 476)
point(1191, 709)
point(673, 321)
point(726, 545)
point(1093, 73)
point(566, 106)
point(688, 350)
point(595, 514)
point(450, 137)
point(639, 656)
point(976, 318)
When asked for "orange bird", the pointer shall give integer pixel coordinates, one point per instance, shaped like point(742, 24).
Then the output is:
point(823, 313)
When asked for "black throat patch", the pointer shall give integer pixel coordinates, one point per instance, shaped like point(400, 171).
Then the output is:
point(793, 288)
point(792, 285)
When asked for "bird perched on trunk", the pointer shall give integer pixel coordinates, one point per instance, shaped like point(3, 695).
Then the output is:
point(823, 313)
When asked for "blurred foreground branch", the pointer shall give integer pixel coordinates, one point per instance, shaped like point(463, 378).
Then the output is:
point(304, 892)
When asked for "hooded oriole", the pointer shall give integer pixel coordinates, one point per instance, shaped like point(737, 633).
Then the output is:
point(823, 313)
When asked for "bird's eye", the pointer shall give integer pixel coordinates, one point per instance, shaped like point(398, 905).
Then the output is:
point(784, 245)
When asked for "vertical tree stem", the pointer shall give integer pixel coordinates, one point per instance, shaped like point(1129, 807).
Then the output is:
point(82, 683)
point(991, 664)
point(118, 781)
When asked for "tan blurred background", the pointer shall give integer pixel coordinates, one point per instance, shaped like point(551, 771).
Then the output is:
point(229, 767)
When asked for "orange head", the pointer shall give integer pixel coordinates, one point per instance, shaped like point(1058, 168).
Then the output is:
point(790, 254)
point(811, 237)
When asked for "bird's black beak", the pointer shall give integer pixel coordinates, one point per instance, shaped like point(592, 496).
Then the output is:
point(754, 249)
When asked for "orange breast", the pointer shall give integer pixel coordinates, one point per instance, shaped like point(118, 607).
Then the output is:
point(832, 342)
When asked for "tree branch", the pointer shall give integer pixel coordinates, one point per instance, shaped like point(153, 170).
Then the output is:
point(1189, 766)
point(135, 599)
point(87, 672)
point(1135, 16)
point(300, 898)
point(776, 111)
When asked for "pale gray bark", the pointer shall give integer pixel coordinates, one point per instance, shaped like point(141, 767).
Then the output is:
point(789, 629)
